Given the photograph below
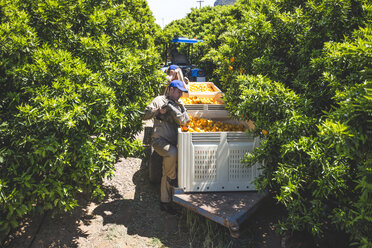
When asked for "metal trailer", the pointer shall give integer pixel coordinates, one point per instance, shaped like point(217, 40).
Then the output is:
point(229, 209)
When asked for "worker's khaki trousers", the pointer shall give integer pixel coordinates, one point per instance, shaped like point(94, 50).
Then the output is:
point(169, 153)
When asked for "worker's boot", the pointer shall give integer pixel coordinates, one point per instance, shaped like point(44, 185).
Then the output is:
point(173, 182)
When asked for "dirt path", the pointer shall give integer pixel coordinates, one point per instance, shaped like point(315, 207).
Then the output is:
point(130, 217)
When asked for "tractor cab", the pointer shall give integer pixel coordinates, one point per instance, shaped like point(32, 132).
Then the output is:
point(183, 60)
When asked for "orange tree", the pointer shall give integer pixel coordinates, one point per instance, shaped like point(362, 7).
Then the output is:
point(74, 77)
point(300, 72)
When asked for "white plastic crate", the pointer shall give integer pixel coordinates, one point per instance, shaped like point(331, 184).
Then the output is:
point(209, 114)
point(210, 161)
point(217, 97)
point(212, 107)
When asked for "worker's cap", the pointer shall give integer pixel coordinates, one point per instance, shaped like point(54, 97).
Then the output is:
point(173, 67)
point(179, 85)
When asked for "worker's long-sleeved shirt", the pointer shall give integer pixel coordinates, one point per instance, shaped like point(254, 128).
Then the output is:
point(166, 125)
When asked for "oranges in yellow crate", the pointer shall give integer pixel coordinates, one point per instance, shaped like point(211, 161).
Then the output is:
point(201, 87)
point(205, 125)
point(199, 100)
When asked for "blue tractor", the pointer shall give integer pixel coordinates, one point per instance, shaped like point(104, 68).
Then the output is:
point(172, 56)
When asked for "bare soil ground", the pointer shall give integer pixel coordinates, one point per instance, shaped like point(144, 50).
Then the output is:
point(130, 216)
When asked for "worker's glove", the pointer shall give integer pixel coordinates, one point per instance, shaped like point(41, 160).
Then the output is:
point(172, 102)
point(168, 115)
point(162, 117)
point(174, 106)
point(178, 114)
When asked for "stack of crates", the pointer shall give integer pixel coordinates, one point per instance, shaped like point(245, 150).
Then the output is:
point(215, 95)
point(210, 161)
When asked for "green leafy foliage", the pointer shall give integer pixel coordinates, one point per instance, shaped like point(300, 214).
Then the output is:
point(74, 77)
point(316, 148)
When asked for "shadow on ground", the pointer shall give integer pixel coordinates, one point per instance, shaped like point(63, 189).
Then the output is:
point(119, 219)
point(47, 230)
point(141, 215)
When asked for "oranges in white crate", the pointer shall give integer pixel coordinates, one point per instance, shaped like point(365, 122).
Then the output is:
point(205, 125)
point(201, 87)
point(199, 100)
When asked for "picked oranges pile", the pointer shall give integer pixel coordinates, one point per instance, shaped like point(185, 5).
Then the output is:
point(199, 100)
point(205, 125)
point(201, 87)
